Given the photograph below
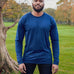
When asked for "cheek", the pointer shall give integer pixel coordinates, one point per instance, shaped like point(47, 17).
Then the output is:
point(34, 3)
point(42, 4)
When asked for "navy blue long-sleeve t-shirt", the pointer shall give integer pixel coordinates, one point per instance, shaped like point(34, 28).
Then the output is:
point(37, 45)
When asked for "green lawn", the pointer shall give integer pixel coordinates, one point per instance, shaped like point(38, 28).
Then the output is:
point(66, 37)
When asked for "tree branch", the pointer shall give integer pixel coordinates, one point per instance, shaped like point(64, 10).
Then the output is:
point(11, 25)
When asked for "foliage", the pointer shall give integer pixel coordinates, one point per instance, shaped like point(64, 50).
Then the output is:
point(65, 11)
point(50, 11)
point(13, 10)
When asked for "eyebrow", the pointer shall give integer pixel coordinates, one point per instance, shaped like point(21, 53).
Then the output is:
point(39, 0)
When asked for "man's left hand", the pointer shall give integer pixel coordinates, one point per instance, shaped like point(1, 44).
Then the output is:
point(54, 68)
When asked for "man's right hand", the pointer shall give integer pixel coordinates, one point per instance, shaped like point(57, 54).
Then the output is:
point(22, 68)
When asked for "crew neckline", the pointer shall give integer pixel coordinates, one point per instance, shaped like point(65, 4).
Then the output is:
point(37, 16)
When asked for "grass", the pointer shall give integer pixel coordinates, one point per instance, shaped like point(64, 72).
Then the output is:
point(66, 40)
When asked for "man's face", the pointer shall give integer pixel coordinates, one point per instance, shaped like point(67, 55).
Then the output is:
point(38, 5)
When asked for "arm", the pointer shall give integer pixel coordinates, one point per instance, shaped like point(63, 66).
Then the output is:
point(19, 41)
point(55, 41)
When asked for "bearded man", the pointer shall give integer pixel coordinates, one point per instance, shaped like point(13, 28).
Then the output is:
point(37, 26)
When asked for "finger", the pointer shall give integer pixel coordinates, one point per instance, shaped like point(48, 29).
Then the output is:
point(24, 67)
point(55, 70)
point(24, 71)
point(21, 70)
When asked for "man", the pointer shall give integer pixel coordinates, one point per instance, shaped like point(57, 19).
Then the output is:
point(37, 26)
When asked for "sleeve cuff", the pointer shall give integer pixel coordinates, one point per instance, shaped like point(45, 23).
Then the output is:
point(20, 62)
point(57, 63)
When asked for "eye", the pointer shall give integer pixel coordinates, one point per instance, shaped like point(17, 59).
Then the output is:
point(41, 0)
point(37, 0)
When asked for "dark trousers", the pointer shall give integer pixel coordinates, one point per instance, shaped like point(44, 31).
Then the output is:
point(43, 68)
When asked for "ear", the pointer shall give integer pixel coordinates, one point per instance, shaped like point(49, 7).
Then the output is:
point(44, 3)
point(32, 4)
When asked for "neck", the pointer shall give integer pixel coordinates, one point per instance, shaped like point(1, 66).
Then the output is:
point(37, 13)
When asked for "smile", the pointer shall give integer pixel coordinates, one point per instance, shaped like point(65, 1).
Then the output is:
point(38, 5)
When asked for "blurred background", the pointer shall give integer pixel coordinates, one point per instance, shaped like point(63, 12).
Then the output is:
point(61, 10)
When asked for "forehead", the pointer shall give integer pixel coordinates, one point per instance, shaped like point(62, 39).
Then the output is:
point(37, 0)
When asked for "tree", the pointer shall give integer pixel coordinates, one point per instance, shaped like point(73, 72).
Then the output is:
point(63, 12)
point(72, 12)
point(25, 8)
point(50, 11)
point(7, 64)
point(12, 10)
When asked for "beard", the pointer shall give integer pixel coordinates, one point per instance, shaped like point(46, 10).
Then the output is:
point(38, 10)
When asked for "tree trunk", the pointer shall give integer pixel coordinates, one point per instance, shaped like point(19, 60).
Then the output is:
point(7, 64)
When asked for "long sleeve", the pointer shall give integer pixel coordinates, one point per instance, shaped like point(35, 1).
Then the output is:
point(55, 41)
point(19, 41)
